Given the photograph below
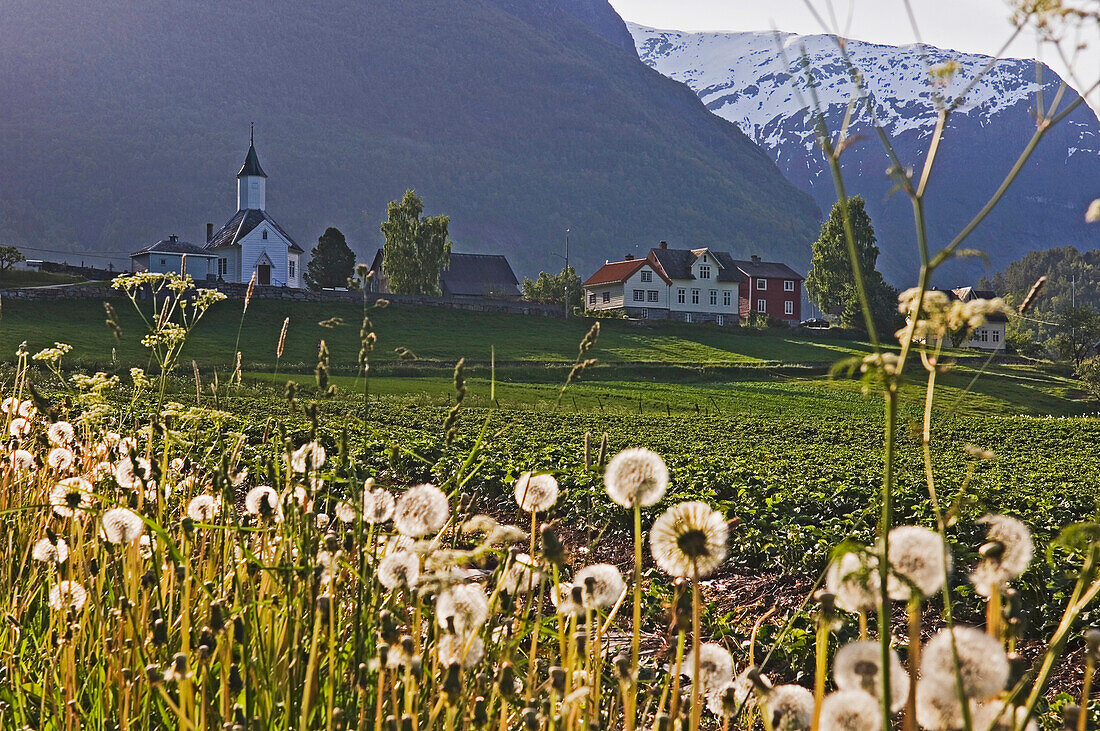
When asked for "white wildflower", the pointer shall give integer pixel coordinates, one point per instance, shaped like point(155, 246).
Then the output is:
point(982, 662)
point(400, 569)
point(66, 595)
point(421, 510)
point(790, 707)
point(204, 508)
point(1005, 555)
point(48, 551)
point(715, 666)
point(850, 710)
point(858, 666)
point(689, 539)
point(536, 493)
point(602, 584)
point(853, 579)
point(61, 434)
point(917, 558)
point(310, 454)
point(121, 525)
point(636, 477)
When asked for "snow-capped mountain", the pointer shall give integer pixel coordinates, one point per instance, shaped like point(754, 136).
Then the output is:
point(756, 80)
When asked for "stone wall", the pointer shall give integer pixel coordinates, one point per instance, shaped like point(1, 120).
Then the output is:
point(237, 292)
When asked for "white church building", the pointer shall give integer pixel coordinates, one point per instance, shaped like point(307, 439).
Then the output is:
point(251, 242)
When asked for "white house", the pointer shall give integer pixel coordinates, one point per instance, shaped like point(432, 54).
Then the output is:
point(693, 285)
point(990, 335)
point(251, 242)
point(172, 255)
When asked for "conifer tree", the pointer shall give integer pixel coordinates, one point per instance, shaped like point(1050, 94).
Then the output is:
point(332, 261)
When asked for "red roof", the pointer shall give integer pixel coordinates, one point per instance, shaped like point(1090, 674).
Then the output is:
point(619, 271)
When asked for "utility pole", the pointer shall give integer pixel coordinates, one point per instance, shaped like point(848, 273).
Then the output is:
point(565, 273)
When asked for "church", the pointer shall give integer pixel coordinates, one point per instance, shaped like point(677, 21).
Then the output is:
point(251, 242)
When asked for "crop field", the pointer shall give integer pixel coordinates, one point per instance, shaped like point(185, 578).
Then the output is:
point(284, 610)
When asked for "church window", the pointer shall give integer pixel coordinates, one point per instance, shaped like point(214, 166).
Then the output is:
point(264, 234)
point(291, 263)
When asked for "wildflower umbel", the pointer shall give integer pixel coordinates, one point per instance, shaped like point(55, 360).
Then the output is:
point(636, 477)
point(689, 540)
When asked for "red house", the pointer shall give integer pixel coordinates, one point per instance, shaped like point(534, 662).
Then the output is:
point(770, 288)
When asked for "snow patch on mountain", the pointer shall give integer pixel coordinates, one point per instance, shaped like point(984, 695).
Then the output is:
point(755, 78)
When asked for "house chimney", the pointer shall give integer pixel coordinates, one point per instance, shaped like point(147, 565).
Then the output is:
point(173, 238)
point(755, 259)
point(209, 232)
point(662, 245)
point(629, 257)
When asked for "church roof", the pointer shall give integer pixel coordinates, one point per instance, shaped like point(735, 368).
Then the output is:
point(172, 245)
point(241, 225)
point(251, 164)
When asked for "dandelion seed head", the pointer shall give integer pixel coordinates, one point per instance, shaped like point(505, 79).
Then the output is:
point(602, 584)
point(569, 599)
point(27, 410)
point(262, 500)
point(858, 666)
point(850, 710)
point(916, 560)
point(345, 512)
point(982, 662)
point(636, 477)
point(10, 405)
point(938, 706)
point(61, 434)
point(463, 608)
point(451, 647)
point(22, 460)
point(738, 696)
point(688, 538)
point(422, 510)
point(400, 569)
point(70, 495)
point(19, 427)
point(177, 465)
point(66, 595)
point(997, 716)
point(60, 459)
point(298, 497)
point(131, 477)
point(378, 505)
point(321, 520)
point(715, 666)
point(204, 508)
point(1010, 552)
point(49, 552)
point(146, 545)
point(853, 579)
point(121, 525)
point(791, 707)
point(311, 453)
point(521, 577)
point(536, 493)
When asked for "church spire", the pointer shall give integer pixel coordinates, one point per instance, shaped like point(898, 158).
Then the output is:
point(251, 161)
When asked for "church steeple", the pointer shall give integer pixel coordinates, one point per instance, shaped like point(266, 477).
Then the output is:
point(251, 180)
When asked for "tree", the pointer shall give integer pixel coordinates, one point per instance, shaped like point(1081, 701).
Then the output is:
point(831, 284)
point(1078, 327)
point(9, 257)
point(1089, 373)
point(332, 262)
point(553, 287)
point(417, 249)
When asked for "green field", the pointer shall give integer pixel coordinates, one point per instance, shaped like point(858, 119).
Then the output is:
point(14, 278)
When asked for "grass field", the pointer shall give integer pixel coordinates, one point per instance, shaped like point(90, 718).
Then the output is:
point(29, 278)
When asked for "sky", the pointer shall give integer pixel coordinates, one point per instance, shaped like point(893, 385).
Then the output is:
point(974, 26)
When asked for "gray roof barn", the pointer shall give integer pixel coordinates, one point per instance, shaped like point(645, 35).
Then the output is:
point(466, 275)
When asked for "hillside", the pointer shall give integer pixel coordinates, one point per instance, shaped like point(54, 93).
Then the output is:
point(1073, 277)
point(518, 118)
point(745, 78)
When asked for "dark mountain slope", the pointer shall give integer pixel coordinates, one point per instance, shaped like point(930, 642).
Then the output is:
point(127, 121)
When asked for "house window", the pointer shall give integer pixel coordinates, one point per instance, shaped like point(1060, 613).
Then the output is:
point(996, 336)
point(291, 263)
point(761, 283)
point(647, 276)
point(726, 298)
point(694, 296)
point(651, 295)
point(681, 296)
point(985, 336)
point(163, 261)
point(704, 272)
point(223, 267)
point(788, 285)
point(264, 233)
point(714, 297)
point(592, 298)
point(639, 295)
point(720, 320)
point(645, 313)
point(761, 305)
point(606, 296)
point(788, 308)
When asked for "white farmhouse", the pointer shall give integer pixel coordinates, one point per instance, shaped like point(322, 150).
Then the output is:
point(990, 335)
point(251, 242)
point(691, 285)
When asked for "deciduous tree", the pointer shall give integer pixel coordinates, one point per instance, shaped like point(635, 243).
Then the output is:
point(1078, 328)
point(9, 257)
point(417, 249)
point(553, 288)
